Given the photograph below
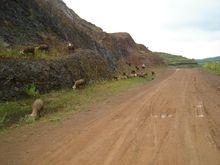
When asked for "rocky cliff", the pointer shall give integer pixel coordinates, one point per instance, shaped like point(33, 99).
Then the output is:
point(40, 21)
point(51, 22)
point(46, 75)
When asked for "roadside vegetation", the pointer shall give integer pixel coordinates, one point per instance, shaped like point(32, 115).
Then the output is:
point(213, 66)
point(63, 102)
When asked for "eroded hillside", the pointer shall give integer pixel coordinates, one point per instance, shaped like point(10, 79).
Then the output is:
point(33, 23)
point(52, 22)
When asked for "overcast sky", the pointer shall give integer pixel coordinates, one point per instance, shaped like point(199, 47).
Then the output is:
point(184, 27)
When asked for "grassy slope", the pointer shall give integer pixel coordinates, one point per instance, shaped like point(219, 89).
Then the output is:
point(65, 101)
point(15, 52)
point(206, 60)
point(173, 60)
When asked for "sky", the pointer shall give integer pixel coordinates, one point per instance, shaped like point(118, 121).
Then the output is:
point(183, 27)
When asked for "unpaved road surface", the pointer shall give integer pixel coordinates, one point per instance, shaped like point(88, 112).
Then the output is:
point(173, 120)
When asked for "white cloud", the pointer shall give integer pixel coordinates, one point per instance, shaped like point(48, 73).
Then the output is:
point(189, 27)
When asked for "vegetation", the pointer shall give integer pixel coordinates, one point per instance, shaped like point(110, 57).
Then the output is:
point(174, 60)
point(31, 90)
point(15, 52)
point(213, 66)
point(208, 60)
point(64, 102)
point(7, 52)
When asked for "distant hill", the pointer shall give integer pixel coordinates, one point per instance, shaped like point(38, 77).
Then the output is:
point(175, 60)
point(206, 60)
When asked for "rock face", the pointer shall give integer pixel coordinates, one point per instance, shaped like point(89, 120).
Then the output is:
point(37, 21)
point(123, 45)
point(60, 73)
point(40, 21)
point(51, 21)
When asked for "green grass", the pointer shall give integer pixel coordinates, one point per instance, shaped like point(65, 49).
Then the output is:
point(15, 52)
point(62, 103)
point(208, 60)
point(213, 66)
point(8, 52)
point(174, 60)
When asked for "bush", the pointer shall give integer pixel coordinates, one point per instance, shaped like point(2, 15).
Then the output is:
point(213, 66)
point(31, 90)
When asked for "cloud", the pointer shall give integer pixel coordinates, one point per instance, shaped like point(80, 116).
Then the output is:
point(200, 14)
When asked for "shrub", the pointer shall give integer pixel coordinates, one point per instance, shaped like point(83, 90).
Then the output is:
point(213, 66)
point(31, 90)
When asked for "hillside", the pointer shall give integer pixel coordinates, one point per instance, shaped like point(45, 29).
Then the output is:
point(52, 22)
point(207, 60)
point(96, 54)
point(175, 60)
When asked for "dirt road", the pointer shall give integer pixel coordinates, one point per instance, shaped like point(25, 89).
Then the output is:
point(173, 120)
